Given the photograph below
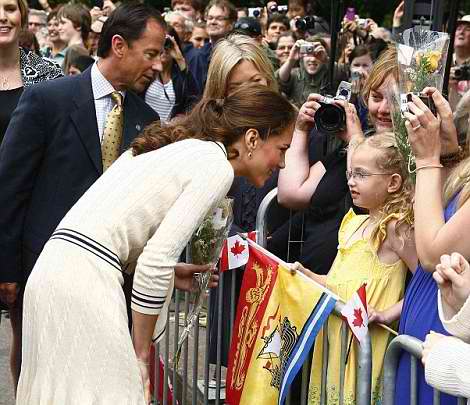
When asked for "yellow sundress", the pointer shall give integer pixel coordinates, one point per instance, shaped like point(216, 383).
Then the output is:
point(354, 265)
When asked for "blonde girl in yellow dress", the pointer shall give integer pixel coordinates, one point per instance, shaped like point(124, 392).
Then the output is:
point(376, 249)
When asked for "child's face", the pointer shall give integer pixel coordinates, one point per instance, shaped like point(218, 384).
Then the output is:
point(367, 183)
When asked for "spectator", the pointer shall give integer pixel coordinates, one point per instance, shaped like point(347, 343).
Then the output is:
point(20, 69)
point(309, 77)
point(174, 90)
point(220, 17)
point(459, 85)
point(441, 223)
point(43, 175)
point(236, 60)
point(74, 24)
point(55, 50)
point(181, 24)
point(199, 36)
point(251, 26)
point(297, 8)
point(94, 37)
point(79, 64)
point(37, 25)
point(277, 24)
point(314, 178)
point(284, 46)
point(28, 40)
point(446, 358)
point(36, 20)
point(108, 7)
point(72, 53)
point(242, 12)
point(192, 9)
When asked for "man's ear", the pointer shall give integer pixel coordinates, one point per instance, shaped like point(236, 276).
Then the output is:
point(119, 45)
point(394, 183)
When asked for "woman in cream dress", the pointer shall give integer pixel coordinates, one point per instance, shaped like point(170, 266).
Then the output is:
point(140, 214)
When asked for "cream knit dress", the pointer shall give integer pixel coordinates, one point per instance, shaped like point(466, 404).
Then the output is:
point(140, 214)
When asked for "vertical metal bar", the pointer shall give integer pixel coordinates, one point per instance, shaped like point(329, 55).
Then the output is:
point(218, 374)
point(233, 301)
point(175, 340)
point(157, 375)
point(288, 397)
point(413, 380)
point(324, 372)
point(461, 401)
point(195, 363)
point(185, 353)
point(206, 356)
point(165, 360)
point(342, 366)
point(436, 397)
point(304, 385)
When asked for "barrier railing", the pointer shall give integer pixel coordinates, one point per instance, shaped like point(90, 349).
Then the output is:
point(199, 382)
point(414, 347)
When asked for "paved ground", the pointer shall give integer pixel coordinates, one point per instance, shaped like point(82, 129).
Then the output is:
point(6, 391)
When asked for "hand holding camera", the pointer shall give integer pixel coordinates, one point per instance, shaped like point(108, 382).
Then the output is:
point(315, 49)
point(171, 47)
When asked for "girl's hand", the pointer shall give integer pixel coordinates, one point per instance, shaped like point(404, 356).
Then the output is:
point(449, 140)
point(452, 276)
point(398, 14)
point(431, 340)
point(353, 124)
point(377, 316)
point(423, 133)
point(144, 373)
point(185, 276)
point(306, 118)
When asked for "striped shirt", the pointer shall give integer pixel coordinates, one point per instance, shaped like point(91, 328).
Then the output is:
point(161, 97)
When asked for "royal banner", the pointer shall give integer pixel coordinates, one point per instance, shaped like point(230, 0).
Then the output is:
point(278, 316)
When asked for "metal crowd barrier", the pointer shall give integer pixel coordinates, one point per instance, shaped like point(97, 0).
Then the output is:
point(197, 382)
point(414, 347)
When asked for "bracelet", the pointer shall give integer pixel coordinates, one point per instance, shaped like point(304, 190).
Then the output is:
point(429, 167)
point(451, 159)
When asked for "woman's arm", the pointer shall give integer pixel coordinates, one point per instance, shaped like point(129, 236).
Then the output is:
point(434, 237)
point(386, 316)
point(285, 70)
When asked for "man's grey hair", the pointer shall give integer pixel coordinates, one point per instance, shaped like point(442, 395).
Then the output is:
point(188, 22)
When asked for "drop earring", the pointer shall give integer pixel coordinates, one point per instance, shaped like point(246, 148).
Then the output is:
point(250, 155)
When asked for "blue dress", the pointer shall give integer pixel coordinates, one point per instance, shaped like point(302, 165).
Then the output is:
point(420, 316)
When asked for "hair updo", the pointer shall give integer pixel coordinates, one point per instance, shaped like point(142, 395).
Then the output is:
point(223, 120)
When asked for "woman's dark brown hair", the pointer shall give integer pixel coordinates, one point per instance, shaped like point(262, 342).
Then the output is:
point(224, 120)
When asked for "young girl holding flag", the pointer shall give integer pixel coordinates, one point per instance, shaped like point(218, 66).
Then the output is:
point(375, 249)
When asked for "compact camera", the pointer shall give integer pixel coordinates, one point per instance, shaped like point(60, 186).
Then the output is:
point(255, 12)
point(408, 97)
point(277, 9)
point(330, 118)
point(307, 48)
point(461, 72)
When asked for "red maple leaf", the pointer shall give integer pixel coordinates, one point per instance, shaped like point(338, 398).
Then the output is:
point(237, 249)
point(358, 321)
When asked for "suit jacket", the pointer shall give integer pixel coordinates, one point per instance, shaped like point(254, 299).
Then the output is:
point(50, 156)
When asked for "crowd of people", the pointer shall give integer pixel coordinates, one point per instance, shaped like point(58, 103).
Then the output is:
point(120, 129)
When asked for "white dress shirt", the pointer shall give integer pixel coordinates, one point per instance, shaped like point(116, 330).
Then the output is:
point(102, 90)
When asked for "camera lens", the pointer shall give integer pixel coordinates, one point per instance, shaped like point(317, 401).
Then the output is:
point(330, 118)
point(458, 73)
point(273, 8)
point(256, 13)
point(300, 24)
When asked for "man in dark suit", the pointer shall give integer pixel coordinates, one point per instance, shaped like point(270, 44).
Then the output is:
point(51, 153)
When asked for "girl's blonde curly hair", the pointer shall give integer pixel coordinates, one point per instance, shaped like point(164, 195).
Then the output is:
point(400, 202)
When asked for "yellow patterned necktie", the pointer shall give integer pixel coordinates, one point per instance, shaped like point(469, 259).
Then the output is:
point(112, 134)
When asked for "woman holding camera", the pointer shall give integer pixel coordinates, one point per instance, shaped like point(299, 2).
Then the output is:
point(173, 90)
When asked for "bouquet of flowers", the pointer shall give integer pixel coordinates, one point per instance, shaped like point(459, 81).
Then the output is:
point(205, 247)
point(422, 55)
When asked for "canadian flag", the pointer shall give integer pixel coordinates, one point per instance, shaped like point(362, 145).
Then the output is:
point(355, 313)
point(235, 252)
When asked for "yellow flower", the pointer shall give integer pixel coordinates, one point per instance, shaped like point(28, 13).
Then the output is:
point(433, 57)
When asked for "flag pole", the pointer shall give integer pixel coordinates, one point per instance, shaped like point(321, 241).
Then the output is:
point(287, 266)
